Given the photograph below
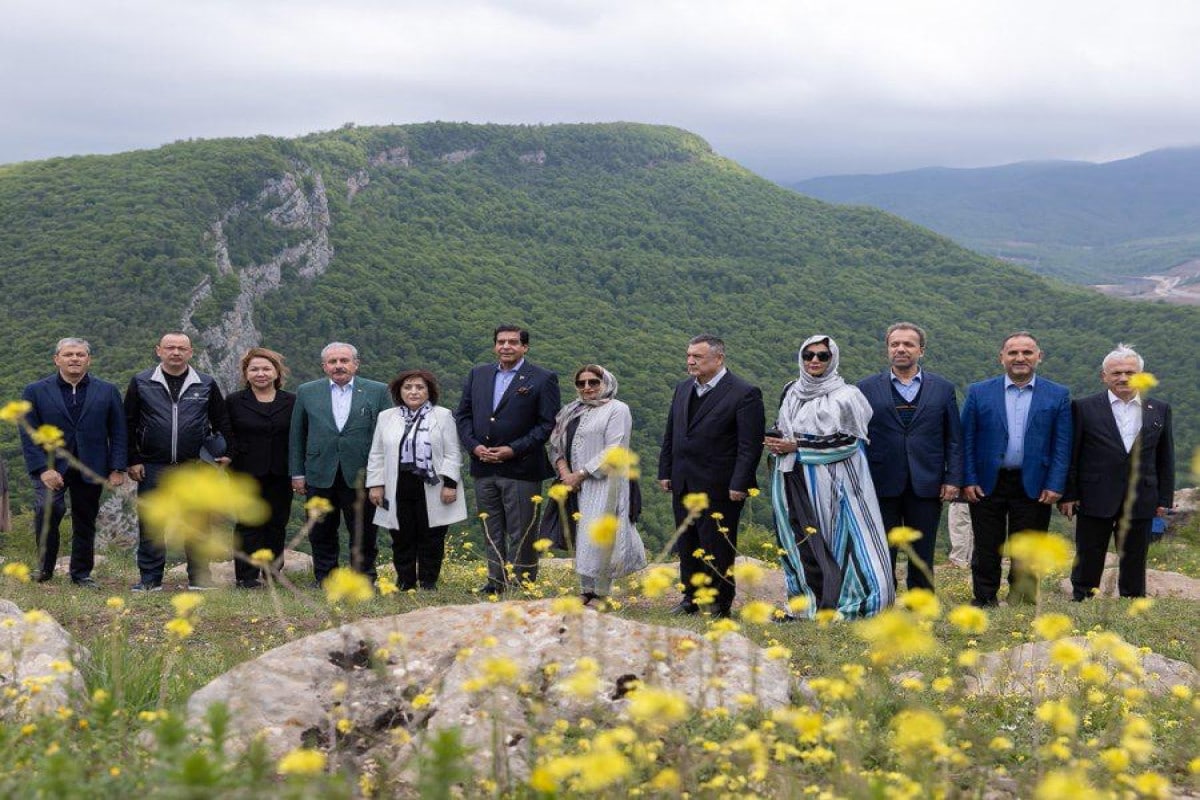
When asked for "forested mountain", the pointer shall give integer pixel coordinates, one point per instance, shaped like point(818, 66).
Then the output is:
point(612, 243)
point(1084, 222)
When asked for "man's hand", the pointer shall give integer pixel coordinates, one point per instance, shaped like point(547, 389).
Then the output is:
point(665, 484)
point(973, 493)
point(375, 495)
point(1068, 509)
point(949, 493)
point(137, 472)
point(572, 479)
point(737, 496)
point(503, 453)
point(223, 461)
point(116, 478)
point(480, 452)
point(52, 479)
point(299, 486)
point(1048, 497)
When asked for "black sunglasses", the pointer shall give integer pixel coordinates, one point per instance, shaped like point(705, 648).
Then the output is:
point(582, 382)
point(822, 356)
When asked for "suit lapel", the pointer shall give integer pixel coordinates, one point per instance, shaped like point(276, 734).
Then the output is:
point(1107, 421)
point(56, 396)
point(90, 399)
point(713, 397)
point(324, 402)
point(519, 380)
point(1002, 406)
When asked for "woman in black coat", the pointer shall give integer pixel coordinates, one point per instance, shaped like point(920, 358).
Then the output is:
point(261, 416)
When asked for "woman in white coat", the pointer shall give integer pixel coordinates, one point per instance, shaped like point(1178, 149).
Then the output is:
point(583, 430)
point(413, 476)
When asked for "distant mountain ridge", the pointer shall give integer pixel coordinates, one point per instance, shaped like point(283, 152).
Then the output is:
point(613, 243)
point(1081, 221)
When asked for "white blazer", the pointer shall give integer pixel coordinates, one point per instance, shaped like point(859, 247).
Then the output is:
point(383, 466)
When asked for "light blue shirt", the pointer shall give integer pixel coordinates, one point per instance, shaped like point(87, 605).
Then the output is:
point(907, 390)
point(504, 377)
point(704, 388)
point(341, 397)
point(1017, 401)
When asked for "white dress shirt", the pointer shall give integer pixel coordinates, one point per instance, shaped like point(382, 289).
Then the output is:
point(1128, 416)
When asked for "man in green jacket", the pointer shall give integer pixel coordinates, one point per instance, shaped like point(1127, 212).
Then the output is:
point(332, 426)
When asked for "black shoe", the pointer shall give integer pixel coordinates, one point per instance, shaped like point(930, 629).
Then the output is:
point(489, 588)
point(147, 586)
point(407, 587)
point(428, 587)
point(992, 603)
point(250, 584)
point(87, 583)
point(684, 607)
point(41, 577)
point(720, 613)
point(588, 597)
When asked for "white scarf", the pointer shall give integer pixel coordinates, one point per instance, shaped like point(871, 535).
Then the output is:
point(824, 405)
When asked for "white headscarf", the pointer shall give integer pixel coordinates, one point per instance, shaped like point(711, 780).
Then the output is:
point(824, 405)
point(575, 408)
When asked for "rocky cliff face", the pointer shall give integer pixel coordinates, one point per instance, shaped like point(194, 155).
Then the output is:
point(294, 202)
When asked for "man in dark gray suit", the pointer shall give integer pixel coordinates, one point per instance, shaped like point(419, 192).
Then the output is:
point(504, 419)
point(1115, 431)
point(915, 449)
point(712, 444)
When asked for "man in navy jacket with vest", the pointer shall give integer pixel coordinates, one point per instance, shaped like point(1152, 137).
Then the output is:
point(172, 412)
point(88, 412)
point(915, 448)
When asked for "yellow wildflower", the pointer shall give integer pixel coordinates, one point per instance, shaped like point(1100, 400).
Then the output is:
point(921, 602)
point(569, 605)
point(1041, 554)
point(542, 545)
point(1139, 606)
point(35, 616)
point(903, 535)
point(317, 507)
point(386, 586)
point(918, 734)
point(1142, 382)
point(343, 584)
point(1052, 626)
point(262, 558)
point(15, 410)
point(657, 581)
point(302, 761)
point(603, 531)
point(757, 612)
point(748, 573)
point(559, 493)
point(1063, 784)
point(1059, 716)
point(1000, 743)
point(753, 492)
point(186, 603)
point(895, 635)
point(48, 437)
point(179, 628)
point(17, 571)
point(194, 504)
point(618, 460)
point(1151, 784)
point(1114, 759)
point(968, 619)
point(695, 502)
point(667, 780)
point(1066, 653)
point(537, 499)
point(650, 704)
point(797, 605)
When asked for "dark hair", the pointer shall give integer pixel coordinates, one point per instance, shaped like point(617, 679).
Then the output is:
point(281, 370)
point(1015, 334)
point(905, 326)
point(511, 329)
point(430, 383)
point(715, 343)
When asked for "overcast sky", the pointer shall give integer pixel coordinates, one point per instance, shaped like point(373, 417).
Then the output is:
point(791, 89)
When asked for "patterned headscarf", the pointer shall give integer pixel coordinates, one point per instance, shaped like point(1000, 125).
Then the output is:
point(824, 405)
point(577, 407)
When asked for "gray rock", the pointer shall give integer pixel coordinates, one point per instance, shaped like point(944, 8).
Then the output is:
point(288, 695)
point(1027, 669)
point(294, 562)
point(1158, 583)
point(37, 659)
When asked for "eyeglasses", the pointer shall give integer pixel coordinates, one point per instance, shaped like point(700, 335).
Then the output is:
point(588, 382)
point(822, 356)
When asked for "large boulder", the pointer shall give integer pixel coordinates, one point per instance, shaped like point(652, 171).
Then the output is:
point(1029, 669)
point(1158, 584)
point(371, 671)
point(294, 563)
point(37, 659)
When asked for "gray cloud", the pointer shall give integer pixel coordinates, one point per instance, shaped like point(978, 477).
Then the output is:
point(791, 89)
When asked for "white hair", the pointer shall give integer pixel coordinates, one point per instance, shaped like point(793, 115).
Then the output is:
point(337, 346)
point(1121, 352)
point(72, 341)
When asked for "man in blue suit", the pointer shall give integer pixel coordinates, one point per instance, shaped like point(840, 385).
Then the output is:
point(1017, 450)
point(504, 419)
point(89, 413)
point(915, 449)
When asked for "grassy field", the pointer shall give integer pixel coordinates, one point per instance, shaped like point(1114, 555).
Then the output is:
point(128, 735)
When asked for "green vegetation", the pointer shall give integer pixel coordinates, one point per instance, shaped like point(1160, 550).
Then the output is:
point(624, 241)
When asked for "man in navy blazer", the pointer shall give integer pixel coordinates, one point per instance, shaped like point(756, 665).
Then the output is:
point(1016, 452)
point(89, 413)
point(504, 419)
point(712, 444)
point(1108, 429)
point(915, 448)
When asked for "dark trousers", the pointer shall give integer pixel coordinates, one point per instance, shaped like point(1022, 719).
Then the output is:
point(272, 534)
point(921, 513)
point(719, 548)
point(152, 553)
point(85, 505)
point(1092, 535)
point(1007, 510)
point(417, 549)
point(508, 502)
point(349, 505)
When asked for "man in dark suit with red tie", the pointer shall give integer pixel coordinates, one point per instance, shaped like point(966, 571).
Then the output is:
point(712, 445)
point(1112, 430)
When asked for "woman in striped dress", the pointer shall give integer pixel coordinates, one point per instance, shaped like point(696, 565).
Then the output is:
point(826, 513)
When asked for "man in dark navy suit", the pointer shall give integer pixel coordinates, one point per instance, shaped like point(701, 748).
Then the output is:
point(504, 420)
point(1109, 429)
point(915, 449)
point(89, 413)
point(1016, 451)
point(712, 444)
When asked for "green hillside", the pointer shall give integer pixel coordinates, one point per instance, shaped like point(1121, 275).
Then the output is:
point(612, 243)
point(1090, 223)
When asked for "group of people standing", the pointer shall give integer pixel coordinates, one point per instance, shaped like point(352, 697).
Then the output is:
point(849, 464)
